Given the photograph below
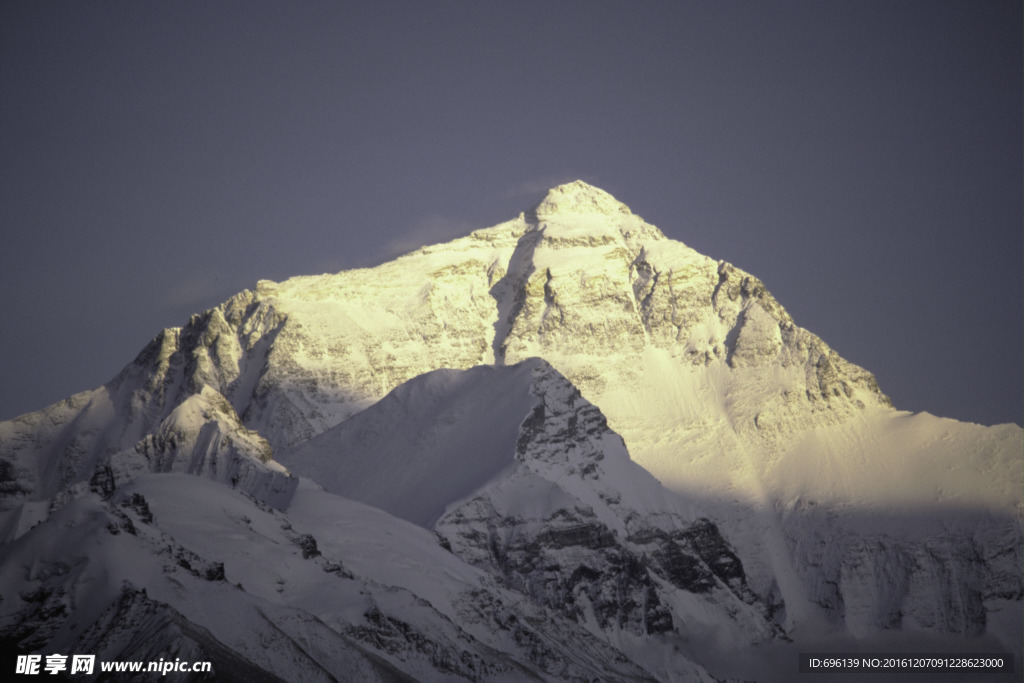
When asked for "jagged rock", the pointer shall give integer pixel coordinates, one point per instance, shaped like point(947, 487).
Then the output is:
point(307, 544)
point(137, 502)
point(103, 482)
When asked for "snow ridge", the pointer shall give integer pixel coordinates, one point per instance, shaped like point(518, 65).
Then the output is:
point(579, 198)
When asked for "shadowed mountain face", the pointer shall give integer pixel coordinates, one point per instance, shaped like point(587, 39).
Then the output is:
point(561, 447)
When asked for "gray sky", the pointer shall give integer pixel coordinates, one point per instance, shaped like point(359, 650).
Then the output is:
point(864, 159)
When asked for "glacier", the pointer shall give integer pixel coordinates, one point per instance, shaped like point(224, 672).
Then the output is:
point(564, 447)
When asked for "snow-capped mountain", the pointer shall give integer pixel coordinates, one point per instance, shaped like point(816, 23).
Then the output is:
point(563, 447)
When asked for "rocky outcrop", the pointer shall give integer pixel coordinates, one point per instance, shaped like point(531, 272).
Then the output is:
point(579, 528)
point(204, 436)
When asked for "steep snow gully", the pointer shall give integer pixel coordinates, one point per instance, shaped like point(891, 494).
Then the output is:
point(564, 447)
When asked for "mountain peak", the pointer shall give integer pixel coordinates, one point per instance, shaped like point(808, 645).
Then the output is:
point(579, 197)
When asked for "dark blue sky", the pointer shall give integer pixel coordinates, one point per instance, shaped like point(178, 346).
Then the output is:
point(864, 159)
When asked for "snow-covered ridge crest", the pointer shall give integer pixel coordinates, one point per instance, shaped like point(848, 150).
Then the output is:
point(578, 197)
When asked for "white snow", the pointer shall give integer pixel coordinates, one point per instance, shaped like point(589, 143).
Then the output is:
point(429, 443)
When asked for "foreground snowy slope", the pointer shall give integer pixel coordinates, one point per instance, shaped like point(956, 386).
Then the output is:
point(774, 472)
point(175, 564)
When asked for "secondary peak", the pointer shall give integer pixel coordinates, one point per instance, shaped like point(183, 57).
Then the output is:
point(579, 197)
